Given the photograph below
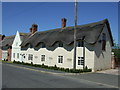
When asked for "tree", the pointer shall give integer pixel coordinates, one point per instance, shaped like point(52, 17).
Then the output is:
point(116, 50)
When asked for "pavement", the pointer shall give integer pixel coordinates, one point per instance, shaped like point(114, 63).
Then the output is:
point(110, 71)
point(21, 76)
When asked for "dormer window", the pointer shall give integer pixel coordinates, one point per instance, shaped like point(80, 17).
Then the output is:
point(30, 46)
point(43, 45)
point(60, 44)
point(103, 41)
point(80, 44)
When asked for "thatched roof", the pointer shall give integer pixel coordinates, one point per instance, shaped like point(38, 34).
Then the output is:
point(91, 32)
point(8, 40)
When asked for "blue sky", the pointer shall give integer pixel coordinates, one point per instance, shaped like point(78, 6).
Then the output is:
point(21, 15)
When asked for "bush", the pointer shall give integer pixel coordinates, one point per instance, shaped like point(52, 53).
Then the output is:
point(22, 62)
point(67, 70)
point(31, 63)
point(85, 69)
point(62, 69)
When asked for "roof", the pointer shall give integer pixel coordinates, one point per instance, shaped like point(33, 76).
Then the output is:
point(8, 40)
point(91, 32)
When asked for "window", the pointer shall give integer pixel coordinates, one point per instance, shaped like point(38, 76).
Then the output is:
point(42, 45)
point(23, 55)
point(17, 55)
point(103, 41)
point(80, 60)
point(42, 57)
point(60, 59)
point(60, 44)
point(30, 57)
point(13, 55)
point(80, 44)
point(16, 43)
point(30, 46)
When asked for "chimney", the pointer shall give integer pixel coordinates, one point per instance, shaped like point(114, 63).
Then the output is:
point(64, 23)
point(34, 28)
point(31, 30)
point(3, 36)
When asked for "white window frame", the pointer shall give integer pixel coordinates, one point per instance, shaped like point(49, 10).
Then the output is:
point(42, 58)
point(30, 56)
point(13, 55)
point(18, 55)
point(81, 61)
point(16, 43)
point(60, 59)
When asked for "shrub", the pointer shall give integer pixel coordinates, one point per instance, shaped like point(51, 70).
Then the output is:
point(22, 62)
point(67, 70)
point(42, 65)
point(31, 63)
point(45, 66)
point(85, 69)
point(61, 69)
point(14, 61)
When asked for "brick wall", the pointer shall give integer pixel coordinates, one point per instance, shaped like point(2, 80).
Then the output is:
point(9, 54)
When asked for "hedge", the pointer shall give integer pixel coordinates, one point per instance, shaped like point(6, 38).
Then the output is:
point(55, 67)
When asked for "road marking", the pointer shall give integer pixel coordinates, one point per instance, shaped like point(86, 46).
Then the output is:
point(61, 74)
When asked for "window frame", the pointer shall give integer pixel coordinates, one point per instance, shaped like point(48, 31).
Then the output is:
point(17, 55)
point(60, 44)
point(13, 55)
point(103, 41)
point(81, 61)
point(30, 56)
point(80, 43)
point(42, 58)
point(43, 45)
point(60, 59)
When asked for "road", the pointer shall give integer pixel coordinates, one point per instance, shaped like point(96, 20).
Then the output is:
point(19, 77)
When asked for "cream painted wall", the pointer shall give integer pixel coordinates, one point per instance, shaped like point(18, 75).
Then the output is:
point(103, 58)
point(89, 56)
point(51, 56)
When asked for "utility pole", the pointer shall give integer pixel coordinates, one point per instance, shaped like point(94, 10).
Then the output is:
point(75, 25)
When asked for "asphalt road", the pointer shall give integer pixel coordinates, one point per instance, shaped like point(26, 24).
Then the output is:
point(20, 77)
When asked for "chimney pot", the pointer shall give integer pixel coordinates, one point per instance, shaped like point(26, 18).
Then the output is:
point(34, 28)
point(64, 23)
point(3, 36)
point(30, 29)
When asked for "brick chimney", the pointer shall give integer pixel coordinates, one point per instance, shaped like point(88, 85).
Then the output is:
point(3, 36)
point(64, 23)
point(31, 30)
point(34, 28)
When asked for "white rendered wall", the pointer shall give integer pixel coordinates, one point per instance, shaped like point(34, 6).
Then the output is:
point(4, 54)
point(103, 58)
point(16, 47)
point(51, 56)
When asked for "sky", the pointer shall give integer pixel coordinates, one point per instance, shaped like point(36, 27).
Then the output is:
point(19, 16)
